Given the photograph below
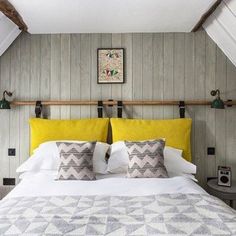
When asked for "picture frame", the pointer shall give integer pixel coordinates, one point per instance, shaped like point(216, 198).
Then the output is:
point(110, 65)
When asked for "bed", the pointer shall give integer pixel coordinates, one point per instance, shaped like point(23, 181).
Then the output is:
point(112, 204)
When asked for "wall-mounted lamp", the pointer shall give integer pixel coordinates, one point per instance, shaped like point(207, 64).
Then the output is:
point(217, 102)
point(4, 104)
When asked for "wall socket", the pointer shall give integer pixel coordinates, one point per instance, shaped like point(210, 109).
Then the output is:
point(211, 151)
point(11, 152)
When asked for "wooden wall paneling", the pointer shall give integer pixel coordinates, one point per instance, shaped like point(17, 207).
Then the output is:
point(45, 70)
point(137, 53)
point(96, 89)
point(179, 61)
point(220, 128)
point(55, 87)
point(200, 111)
point(210, 161)
point(189, 79)
point(65, 74)
point(127, 89)
point(14, 128)
point(231, 119)
point(168, 73)
point(147, 74)
point(106, 88)
point(24, 93)
point(35, 76)
point(75, 74)
point(158, 74)
point(5, 116)
point(85, 73)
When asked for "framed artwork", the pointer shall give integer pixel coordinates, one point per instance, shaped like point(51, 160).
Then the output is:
point(110, 65)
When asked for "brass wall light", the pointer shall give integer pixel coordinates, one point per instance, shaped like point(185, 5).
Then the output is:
point(5, 104)
point(217, 103)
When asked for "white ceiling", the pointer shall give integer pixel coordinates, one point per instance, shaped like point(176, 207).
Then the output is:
point(110, 16)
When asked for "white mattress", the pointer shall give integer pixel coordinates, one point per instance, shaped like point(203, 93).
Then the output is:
point(43, 184)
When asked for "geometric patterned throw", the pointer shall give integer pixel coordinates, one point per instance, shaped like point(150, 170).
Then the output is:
point(165, 214)
point(146, 159)
point(76, 161)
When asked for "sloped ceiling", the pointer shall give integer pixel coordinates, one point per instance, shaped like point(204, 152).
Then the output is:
point(221, 27)
point(8, 33)
point(110, 16)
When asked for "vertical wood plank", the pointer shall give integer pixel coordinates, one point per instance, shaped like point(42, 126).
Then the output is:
point(137, 53)
point(127, 89)
point(189, 82)
point(75, 74)
point(85, 73)
point(158, 74)
point(96, 89)
point(55, 87)
point(220, 131)
point(210, 161)
point(14, 131)
point(24, 94)
point(147, 76)
point(200, 111)
point(65, 74)
point(168, 73)
point(179, 59)
point(5, 116)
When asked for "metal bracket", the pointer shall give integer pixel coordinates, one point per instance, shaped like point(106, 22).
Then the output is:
point(38, 109)
point(182, 109)
point(110, 100)
point(119, 109)
point(100, 109)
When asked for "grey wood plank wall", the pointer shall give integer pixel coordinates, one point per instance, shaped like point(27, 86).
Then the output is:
point(158, 66)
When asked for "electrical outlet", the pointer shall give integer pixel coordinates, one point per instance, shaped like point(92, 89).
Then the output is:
point(9, 181)
point(11, 152)
point(211, 151)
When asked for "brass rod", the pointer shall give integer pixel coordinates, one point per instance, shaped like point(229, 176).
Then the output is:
point(133, 103)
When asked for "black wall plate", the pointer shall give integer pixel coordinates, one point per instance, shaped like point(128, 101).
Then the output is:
point(11, 152)
point(211, 151)
point(9, 181)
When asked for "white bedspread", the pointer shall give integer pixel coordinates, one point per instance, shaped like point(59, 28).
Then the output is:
point(43, 184)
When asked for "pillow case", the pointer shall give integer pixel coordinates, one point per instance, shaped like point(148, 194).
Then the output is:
point(46, 157)
point(146, 159)
point(176, 132)
point(76, 161)
point(173, 161)
point(43, 130)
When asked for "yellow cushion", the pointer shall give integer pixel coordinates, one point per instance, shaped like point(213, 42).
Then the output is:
point(176, 132)
point(43, 130)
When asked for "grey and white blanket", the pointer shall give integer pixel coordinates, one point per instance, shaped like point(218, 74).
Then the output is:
point(165, 214)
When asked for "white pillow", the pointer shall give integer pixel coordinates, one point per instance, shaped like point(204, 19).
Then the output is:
point(46, 157)
point(173, 160)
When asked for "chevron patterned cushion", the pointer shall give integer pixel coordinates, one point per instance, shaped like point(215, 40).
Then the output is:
point(76, 161)
point(146, 159)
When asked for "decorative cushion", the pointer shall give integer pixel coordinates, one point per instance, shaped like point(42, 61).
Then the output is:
point(43, 130)
point(175, 131)
point(76, 161)
point(146, 159)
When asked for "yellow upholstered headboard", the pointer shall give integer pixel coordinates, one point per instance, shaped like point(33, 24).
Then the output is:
point(43, 130)
point(176, 132)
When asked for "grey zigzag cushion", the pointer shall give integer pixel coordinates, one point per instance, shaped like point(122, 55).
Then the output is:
point(76, 161)
point(146, 159)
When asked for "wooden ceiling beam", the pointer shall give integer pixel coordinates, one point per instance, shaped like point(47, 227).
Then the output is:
point(9, 11)
point(206, 15)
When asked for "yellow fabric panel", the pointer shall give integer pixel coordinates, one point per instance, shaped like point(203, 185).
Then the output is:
point(43, 130)
point(176, 132)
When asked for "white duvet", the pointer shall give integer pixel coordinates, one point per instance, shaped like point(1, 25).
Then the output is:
point(43, 184)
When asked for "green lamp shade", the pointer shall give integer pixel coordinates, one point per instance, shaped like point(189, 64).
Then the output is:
point(4, 104)
point(218, 104)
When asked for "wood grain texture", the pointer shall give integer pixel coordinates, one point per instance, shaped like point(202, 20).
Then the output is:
point(171, 66)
